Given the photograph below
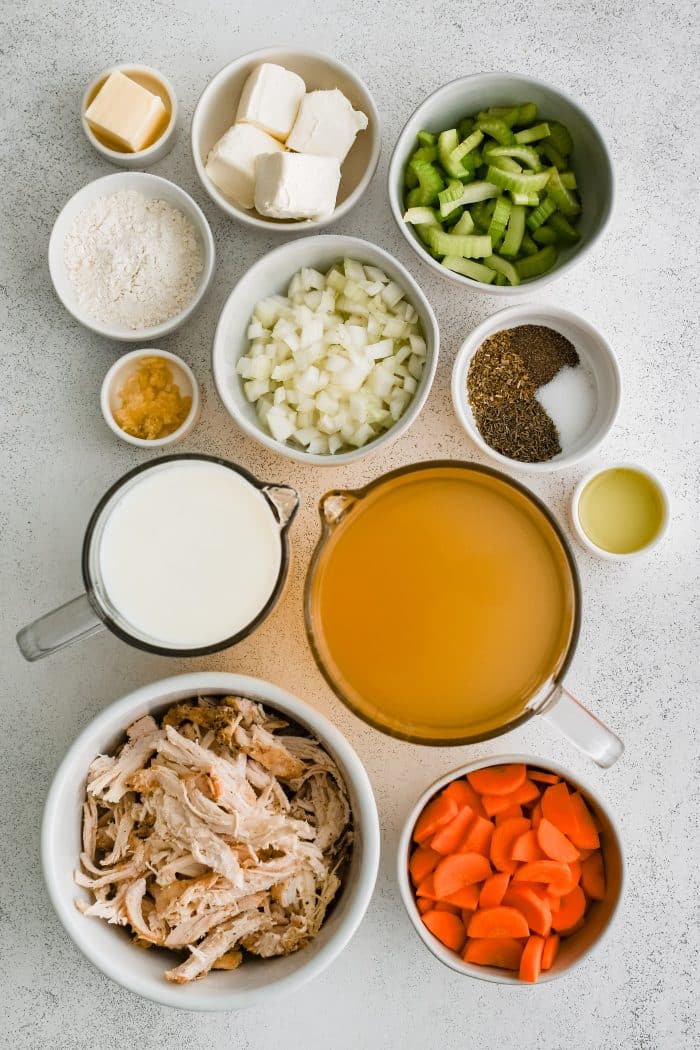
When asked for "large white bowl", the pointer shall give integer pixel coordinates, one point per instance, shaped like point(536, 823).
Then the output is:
point(154, 188)
point(109, 947)
point(591, 161)
point(216, 112)
point(271, 275)
point(599, 919)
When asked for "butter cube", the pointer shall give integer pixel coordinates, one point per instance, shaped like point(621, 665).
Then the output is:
point(125, 113)
point(231, 162)
point(326, 125)
point(270, 99)
point(296, 185)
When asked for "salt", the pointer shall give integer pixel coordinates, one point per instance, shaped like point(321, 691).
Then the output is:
point(570, 402)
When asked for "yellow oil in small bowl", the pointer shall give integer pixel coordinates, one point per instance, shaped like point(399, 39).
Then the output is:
point(622, 510)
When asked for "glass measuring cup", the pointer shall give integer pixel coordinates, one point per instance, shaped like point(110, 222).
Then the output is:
point(94, 610)
point(399, 687)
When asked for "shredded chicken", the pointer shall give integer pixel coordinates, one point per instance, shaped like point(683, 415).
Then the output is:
point(215, 834)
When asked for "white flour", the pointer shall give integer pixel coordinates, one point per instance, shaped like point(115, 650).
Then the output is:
point(132, 261)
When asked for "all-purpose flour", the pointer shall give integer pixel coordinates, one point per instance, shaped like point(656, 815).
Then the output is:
point(132, 261)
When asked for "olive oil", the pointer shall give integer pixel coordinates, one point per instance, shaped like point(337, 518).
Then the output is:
point(621, 510)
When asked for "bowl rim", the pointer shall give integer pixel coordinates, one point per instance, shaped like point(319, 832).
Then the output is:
point(492, 324)
point(123, 335)
point(583, 537)
point(451, 959)
point(302, 225)
point(151, 153)
point(154, 695)
point(347, 244)
point(506, 291)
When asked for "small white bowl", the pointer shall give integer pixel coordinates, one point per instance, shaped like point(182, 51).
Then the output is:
point(216, 112)
point(121, 370)
point(582, 535)
point(155, 188)
point(596, 356)
point(157, 84)
point(599, 919)
point(271, 275)
point(109, 948)
point(591, 162)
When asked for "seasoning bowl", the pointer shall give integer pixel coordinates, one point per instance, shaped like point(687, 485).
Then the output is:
point(128, 365)
point(574, 948)
point(109, 948)
point(155, 188)
point(583, 536)
point(596, 356)
point(158, 85)
point(591, 163)
point(216, 112)
point(271, 275)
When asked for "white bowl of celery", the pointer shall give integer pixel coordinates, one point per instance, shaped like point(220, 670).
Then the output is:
point(498, 180)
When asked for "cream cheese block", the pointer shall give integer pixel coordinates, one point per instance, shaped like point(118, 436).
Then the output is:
point(296, 185)
point(231, 162)
point(125, 113)
point(326, 125)
point(270, 99)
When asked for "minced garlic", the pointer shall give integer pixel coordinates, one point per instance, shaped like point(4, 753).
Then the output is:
point(151, 403)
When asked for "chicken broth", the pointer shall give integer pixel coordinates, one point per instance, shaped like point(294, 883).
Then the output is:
point(442, 603)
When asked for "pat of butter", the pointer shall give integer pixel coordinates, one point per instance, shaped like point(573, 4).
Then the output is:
point(231, 162)
point(296, 185)
point(126, 113)
point(270, 99)
point(326, 125)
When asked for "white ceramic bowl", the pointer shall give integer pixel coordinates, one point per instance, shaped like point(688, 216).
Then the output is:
point(591, 161)
point(583, 536)
point(154, 82)
point(121, 370)
point(599, 919)
point(109, 948)
point(271, 275)
point(155, 188)
point(596, 356)
point(216, 112)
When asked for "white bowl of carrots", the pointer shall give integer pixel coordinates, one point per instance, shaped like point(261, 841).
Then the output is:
point(510, 869)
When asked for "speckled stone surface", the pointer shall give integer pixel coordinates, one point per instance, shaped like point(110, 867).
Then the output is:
point(636, 73)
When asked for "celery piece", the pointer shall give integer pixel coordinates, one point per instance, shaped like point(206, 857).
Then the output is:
point(560, 138)
point(528, 246)
point(499, 221)
point(566, 233)
point(495, 262)
point(514, 233)
point(413, 198)
point(508, 114)
point(545, 149)
point(565, 200)
point(505, 164)
point(568, 179)
point(464, 225)
point(465, 126)
point(537, 264)
point(527, 113)
point(454, 197)
point(501, 280)
point(527, 182)
point(458, 155)
point(426, 153)
point(430, 183)
point(541, 213)
point(421, 217)
point(526, 154)
point(545, 235)
point(469, 268)
point(448, 221)
point(466, 247)
point(447, 142)
point(481, 214)
point(530, 200)
point(534, 134)
point(496, 128)
point(426, 138)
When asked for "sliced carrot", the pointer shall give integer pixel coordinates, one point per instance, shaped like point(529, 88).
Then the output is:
point(572, 910)
point(446, 906)
point(439, 811)
point(463, 794)
point(447, 838)
point(526, 792)
point(554, 902)
point(448, 928)
point(575, 874)
point(497, 780)
point(593, 876)
point(478, 837)
point(504, 836)
point(427, 887)
point(540, 888)
point(498, 922)
point(493, 890)
point(527, 848)
point(549, 952)
point(553, 872)
point(557, 808)
point(584, 832)
point(494, 951)
point(508, 814)
point(554, 844)
point(536, 815)
point(459, 870)
point(531, 960)
point(536, 911)
point(423, 861)
point(467, 897)
point(466, 914)
point(542, 777)
point(423, 904)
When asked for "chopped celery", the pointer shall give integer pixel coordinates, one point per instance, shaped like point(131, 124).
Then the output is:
point(430, 182)
point(545, 149)
point(481, 214)
point(530, 200)
point(508, 114)
point(464, 225)
point(413, 198)
point(466, 247)
point(527, 246)
point(544, 235)
point(450, 221)
point(499, 221)
point(457, 157)
point(560, 138)
point(465, 126)
point(504, 163)
point(539, 131)
point(495, 262)
point(526, 154)
point(527, 182)
point(426, 153)
point(496, 128)
point(447, 142)
point(469, 268)
point(566, 233)
point(454, 196)
point(426, 138)
point(535, 265)
point(568, 179)
point(541, 213)
point(501, 280)
point(527, 113)
point(515, 231)
point(421, 217)
point(565, 200)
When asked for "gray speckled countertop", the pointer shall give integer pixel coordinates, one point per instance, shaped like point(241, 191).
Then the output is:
point(635, 72)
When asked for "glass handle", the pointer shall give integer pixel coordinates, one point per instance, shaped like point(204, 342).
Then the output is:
point(577, 724)
point(65, 625)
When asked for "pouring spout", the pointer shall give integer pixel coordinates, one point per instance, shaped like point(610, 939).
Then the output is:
point(334, 504)
point(284, 501)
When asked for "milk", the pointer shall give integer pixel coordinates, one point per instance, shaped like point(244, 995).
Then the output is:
point(190, 554)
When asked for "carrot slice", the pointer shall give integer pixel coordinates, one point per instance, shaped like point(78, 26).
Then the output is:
point(584, 832)
point(427, 888)
point(593, 876)
point(536, 911)
point(498, 780)
point(423, 904)
point(527, 848)
point(463, 794)
point(446, 906)
point(467, 897)
point(448, 928)
point(553, 872)
point(467, 916)
point(558, 809)
point(554, 844)
point(447, 838)
point(494, 951)
point(493, 890)
point(478, 837)
point(536, 815)
point(504, 836)
point(508, 814)
point(494, 804)
point(531, 960)
point(423, 861)
point(542, 777)
point(459, 870)
point(572, 910)
point(549, 952)
point(439, 811)
point(498, 922)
